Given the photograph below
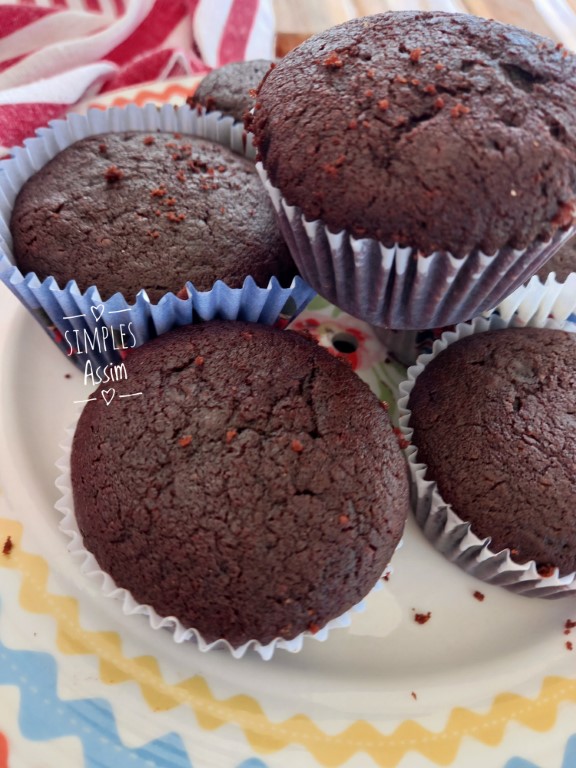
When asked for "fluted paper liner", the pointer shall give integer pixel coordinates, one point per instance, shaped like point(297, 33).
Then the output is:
point(62, 310)
point(441, 525)
point(90, 568)
point(399, 288)
point(529, 304)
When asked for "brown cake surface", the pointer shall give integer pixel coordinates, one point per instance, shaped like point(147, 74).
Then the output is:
point(254, 490)
point(436, 131)
point(494, 418)
point(125, 211)
point(563, 263)
point(228, 89)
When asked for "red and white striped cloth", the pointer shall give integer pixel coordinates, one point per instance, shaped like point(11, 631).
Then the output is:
point(54, 53)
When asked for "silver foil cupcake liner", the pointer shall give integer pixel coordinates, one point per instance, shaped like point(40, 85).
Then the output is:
point(397, 288)
point(80, 323)
point(449, 534)
point(530, 304)
point(90, 568)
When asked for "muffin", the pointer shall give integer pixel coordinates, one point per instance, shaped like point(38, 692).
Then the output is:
point(229, 89)
point(493, 449)
point(563, 263)
point(254, 490)
point(423, 164)
point(191, 237)
point(148, 211)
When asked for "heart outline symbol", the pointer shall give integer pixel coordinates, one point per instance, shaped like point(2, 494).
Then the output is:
point(97, 311)
point(108, 395)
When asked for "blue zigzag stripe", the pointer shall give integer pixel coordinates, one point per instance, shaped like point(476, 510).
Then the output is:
point(43, 715)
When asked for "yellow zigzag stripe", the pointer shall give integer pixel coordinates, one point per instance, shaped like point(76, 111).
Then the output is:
point(266, 736)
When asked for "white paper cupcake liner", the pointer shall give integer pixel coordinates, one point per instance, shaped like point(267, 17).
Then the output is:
point(441, 525)
point(90, 568)
point(389, 287)
point(530, 304)
point(62, 310)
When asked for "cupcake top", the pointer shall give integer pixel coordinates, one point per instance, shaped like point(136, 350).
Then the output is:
point(254, 490)
point(494, 419)
point(432, 130)
point(126, 211)
point(228, 88)
point(562, 263)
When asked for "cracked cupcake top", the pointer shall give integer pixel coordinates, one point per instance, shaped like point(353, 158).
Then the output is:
point(436, 131)
point(494, 419)
point(125, 211)
point(255, 490)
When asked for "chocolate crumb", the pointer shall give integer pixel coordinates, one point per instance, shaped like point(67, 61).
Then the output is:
point(565, 216)
point(546, 571)
point(402, 442)
point(177, 217)
point(113, 174)
point(333, 61)
point(458, 110)
point(479, 596)
point(422, 618)
point(67, 375)
point(8, 546)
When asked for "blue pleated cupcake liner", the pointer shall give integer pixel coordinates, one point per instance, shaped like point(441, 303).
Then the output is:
point(130, 607)
point(442, 526)
point(80, 323)
point(399, 288)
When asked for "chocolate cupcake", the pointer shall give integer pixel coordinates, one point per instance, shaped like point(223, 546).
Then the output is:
point(423, 165)
point(130, 211)
point(145, 216)
point(262, 490)
point(230, 89)
point(563, 263)
point(489, 417)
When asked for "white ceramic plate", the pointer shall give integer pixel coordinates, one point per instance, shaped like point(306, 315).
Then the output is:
point(482, 684)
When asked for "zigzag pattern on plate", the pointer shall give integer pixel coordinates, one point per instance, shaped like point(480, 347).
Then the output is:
point(264, 735)
point(44, 715)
